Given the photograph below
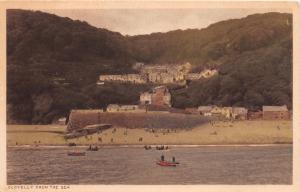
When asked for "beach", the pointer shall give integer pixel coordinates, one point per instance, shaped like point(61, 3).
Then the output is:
point(215, 133)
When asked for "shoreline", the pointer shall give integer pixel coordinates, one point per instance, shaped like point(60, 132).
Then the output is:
point(241, 133)
point(142, 146)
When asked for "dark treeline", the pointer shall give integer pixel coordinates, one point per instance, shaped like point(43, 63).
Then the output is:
point(54, 62)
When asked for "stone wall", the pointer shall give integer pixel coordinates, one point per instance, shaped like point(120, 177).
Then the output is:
point(160, 74)
point(273, 115)
point(135, 120)
point(81, 118)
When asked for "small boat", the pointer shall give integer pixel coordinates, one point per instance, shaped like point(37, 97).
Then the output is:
point(74, 153)
point(167, 163)
point(92, 148)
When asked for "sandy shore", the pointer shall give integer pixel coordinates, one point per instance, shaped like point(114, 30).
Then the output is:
point(219, 133)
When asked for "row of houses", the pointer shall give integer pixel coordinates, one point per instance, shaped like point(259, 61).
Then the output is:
point(226, 112)
point(130, 78)
point(159, 74)
point(239, 113)
point(158, 100)
point(203, 74)
point(242, 113)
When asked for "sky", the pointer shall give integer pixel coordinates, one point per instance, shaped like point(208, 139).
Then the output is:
point(146, 21)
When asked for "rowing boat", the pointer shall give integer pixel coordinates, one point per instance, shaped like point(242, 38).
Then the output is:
point(167, 163)
point(76, 153)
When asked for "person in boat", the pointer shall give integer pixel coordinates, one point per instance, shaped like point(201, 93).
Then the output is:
point(162, 158)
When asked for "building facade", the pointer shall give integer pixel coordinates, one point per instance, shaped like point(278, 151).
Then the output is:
point(222, 112)
point(159, 74)
point(205, 110)
point(127, 78)
point(252, 115)
point(207, 73)
point(240, 113)
point(113, 108)
point(275, 112)
point(157, 96)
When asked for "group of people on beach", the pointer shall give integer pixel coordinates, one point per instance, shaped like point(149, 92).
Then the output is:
point(93, 148)
point(162, 147)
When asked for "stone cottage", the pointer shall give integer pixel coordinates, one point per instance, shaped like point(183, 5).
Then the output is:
point(222, 111)
point(240, 113)
point(157, 96)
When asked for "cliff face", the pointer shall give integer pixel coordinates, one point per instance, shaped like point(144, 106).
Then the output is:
point(253, 56)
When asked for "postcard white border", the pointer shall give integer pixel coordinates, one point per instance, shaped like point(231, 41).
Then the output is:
point(157, 5)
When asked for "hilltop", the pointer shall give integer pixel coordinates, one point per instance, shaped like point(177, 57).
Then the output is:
point(216, 44)
point(54, 62)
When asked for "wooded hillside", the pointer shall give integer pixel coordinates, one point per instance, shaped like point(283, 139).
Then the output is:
point(53, 63)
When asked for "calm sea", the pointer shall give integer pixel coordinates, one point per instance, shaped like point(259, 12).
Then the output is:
point(115, 165)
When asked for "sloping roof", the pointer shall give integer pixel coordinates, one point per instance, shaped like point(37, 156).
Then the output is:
point(275, 108)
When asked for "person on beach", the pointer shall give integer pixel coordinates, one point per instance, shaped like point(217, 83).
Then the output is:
point(173, 159)
point(162, 158)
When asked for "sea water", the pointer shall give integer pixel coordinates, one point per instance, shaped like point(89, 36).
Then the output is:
point(135, 165)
